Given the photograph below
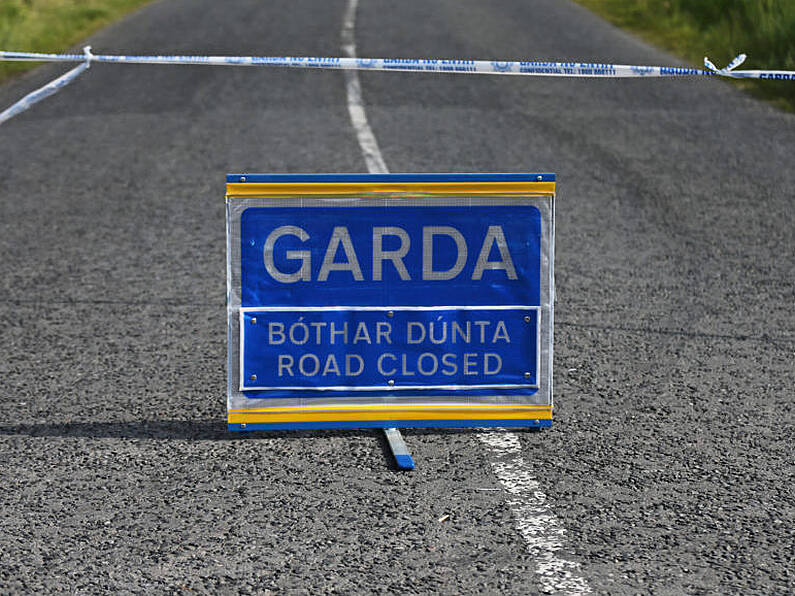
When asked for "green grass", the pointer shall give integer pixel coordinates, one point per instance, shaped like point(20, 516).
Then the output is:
point(53, 25)
point(720, 29)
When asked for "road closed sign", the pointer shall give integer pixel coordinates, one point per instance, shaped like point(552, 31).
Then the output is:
point(389, 300)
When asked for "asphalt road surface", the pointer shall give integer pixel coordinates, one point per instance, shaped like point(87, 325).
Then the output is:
point(670, 464)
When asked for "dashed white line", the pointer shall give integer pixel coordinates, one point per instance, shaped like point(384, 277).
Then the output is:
point(542, 532)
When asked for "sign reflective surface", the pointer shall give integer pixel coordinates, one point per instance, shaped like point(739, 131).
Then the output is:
point(366, 306)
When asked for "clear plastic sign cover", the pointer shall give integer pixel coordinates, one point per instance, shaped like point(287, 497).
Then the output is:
point(389, 300)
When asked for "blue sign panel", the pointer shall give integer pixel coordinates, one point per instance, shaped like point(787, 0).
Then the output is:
point(376, 349)
point(389, 300)
point(387, 256)
point(363, 265)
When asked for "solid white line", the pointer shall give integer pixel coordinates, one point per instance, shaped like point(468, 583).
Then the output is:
point(538, 525)
point(542, 532)
point(372, 154)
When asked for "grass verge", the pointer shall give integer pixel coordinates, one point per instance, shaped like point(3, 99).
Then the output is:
point(720, 29)
point(53, 25)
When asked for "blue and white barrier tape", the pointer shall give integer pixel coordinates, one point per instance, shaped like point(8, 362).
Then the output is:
point(498, 67)
point(782, 75)
point(48, 89)
point(507, 67)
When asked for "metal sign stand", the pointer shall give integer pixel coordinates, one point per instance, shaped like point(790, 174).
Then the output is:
point(399, 450)
point(389, 301)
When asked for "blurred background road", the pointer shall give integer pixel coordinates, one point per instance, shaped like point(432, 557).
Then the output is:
point(670, 463)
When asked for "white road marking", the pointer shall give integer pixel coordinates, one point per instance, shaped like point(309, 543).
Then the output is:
point(542, 532)
point(538, 525)
point(372, 154)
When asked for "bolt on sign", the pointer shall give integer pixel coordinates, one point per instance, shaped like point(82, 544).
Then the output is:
point(389, 300)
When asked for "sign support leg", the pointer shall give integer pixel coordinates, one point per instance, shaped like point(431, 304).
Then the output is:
point(399, 450)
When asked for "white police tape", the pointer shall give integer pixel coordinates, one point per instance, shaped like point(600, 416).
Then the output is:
point(783, 75)
point(500, 67)
point(48, 89)
point(494, 67)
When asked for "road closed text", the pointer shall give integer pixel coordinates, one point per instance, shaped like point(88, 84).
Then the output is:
point(381, 347)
